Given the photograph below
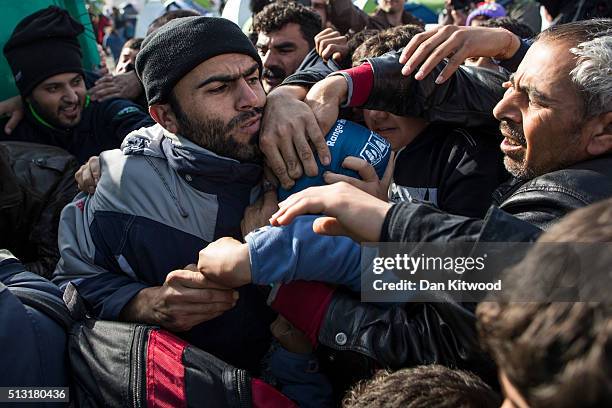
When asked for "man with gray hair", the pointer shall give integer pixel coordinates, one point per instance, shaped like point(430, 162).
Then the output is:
point(555, 116)
point(556, 119)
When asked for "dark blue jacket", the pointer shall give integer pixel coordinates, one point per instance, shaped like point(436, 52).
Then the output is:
point(33, 346)
point(102, 127)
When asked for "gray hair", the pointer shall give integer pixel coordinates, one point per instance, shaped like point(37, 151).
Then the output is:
point(592, 75)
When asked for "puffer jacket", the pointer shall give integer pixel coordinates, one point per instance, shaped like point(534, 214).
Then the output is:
point(36, 182)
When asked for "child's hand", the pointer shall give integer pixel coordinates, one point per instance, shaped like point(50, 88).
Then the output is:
point(370, 183)
point(226, 261)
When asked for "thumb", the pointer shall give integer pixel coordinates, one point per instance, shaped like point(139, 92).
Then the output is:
point(328, 226)
point(13, 122)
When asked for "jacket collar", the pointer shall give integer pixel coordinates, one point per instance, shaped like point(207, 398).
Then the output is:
point(187, 158)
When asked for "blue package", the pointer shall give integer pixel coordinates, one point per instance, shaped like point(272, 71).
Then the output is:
point(345, 139)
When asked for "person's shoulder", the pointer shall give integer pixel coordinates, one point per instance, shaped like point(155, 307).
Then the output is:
point(117, 106)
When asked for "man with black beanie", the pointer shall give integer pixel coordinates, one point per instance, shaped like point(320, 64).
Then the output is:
point(173, 188)
point(45, 59)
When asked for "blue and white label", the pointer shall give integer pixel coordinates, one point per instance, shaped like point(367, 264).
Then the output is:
point(375, 149)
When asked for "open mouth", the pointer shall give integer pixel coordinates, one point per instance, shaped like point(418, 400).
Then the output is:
point(511, 142)
point(69, 110)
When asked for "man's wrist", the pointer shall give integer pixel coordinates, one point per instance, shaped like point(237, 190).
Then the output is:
point(139, 308)
point(289, 91)
point(335, 90)
point(512, 45)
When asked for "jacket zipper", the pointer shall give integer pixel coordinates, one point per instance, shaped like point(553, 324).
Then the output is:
point(138, 356)
point(241, 378)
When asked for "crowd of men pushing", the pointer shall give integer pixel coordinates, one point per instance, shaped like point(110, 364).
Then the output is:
point(169, 229)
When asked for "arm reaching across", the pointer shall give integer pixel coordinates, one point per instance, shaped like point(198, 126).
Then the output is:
point(456, 43)
point(349, 211)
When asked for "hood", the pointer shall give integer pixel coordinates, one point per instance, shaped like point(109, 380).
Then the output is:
point(205, 170)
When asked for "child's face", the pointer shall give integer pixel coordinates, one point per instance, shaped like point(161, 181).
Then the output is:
point(398, 130)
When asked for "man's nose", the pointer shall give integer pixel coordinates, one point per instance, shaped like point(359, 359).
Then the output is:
point(269, 59)
point(70, 95)
point(248, 96)
point(508, 108)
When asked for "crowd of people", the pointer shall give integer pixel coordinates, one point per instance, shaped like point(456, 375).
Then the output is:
point(187, 230)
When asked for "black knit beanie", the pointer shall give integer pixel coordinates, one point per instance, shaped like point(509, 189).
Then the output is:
point(182, 44)
point(42, 45)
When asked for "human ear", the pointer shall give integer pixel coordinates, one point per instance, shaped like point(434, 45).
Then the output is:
point(601, 139)
point(163, 114)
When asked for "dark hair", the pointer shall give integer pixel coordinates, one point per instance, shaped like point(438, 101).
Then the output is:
point(133, 43)
point(577, 32)
point(557, 354)
point(423, 387)
point(276, 15)
point(169, 16)
point(510, 24)
point(257, 5)
point(387, 40)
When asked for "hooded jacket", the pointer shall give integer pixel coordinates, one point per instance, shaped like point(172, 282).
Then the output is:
point(159, 201)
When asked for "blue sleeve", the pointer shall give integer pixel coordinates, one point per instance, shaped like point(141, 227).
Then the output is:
point(296, 252)
point(33, 345)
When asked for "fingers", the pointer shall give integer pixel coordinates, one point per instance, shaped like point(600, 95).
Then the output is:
point(366, 170)
point(94, 167)
point(270, 178)
point(275, 162)
point(452, 48)
point(317, 138)
point(328, 226)
point(408, 52)
point(304, 151)
point(331, 178)
point(88, 175)
point(424, 50)
point(325, 39)
point(105, 92)
point(13, 121)
point(332, 49)
point(193, 280)
point(304, 202)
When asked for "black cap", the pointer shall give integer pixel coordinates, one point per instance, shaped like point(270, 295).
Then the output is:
point(42, 45)
point(180, 45)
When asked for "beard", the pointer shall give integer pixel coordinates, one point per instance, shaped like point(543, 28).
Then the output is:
point(52, 114)
point(213, 134)
point(516, 162)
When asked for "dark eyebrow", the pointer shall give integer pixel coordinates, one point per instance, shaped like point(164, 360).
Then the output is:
point(532, 91)
point(285, 44)
point(228, 78)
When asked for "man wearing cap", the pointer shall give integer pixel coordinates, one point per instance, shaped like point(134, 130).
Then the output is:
point(45, 58)
point(173, 188)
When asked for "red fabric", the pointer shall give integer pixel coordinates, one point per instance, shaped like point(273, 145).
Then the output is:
point(266, 396)
point(363, 80)
point(165, 371)
point(304, 304)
